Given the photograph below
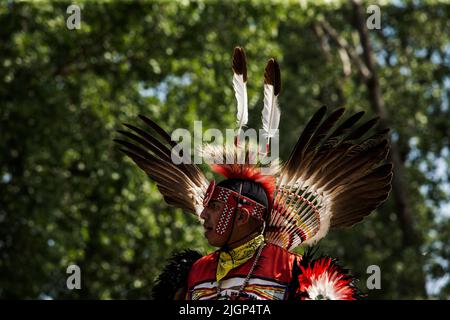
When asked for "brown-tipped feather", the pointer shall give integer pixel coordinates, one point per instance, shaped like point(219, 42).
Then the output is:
point(350, 168)
point(316, 140)
point(135, 149)
point(168, 181)
point(272, 76)
point(239, 64)
point(145, 144)
point(158, 129)
point(149, 138)
point(347, 124)
point(292, 165)
point(181, 185)
point(191, 170)
point(362, 129)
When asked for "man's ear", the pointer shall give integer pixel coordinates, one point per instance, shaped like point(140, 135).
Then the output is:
point(243, 216)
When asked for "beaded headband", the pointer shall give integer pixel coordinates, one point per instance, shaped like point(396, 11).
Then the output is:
point(232, 199)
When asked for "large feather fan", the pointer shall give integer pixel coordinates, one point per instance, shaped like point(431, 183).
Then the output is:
point(333, 178)
point(182, 185)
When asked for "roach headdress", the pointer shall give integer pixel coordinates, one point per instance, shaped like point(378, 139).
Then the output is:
point(335, 175)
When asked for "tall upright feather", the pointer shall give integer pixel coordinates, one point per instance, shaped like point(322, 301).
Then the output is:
point(271, 110)
point(240, 85)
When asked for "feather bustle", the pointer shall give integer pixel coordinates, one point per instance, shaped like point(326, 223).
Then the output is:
point(335, 167)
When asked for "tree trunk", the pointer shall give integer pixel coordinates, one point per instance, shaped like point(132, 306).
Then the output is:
point(404, 211)
point(399, 188)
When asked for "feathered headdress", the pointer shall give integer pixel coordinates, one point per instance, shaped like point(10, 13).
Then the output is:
point(335, 176)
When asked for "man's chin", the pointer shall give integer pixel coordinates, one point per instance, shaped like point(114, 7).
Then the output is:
point(211, 239)
point(207, 234)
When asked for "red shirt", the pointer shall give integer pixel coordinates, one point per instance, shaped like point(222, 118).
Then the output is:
point(269, 281)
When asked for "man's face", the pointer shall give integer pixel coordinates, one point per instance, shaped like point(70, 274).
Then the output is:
point(211, 215)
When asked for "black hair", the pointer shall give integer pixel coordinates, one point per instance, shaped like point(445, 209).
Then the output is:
point(250, 189)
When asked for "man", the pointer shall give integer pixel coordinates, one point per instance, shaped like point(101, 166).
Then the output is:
point(334, 177)
point(245, 267)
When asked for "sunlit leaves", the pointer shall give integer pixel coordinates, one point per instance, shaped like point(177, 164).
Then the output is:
point(69, 196)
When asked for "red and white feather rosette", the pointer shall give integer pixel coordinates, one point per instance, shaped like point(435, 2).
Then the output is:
point(324, 279)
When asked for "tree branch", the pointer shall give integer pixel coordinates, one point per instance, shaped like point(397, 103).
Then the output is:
point(318, 31)
point(343, 44)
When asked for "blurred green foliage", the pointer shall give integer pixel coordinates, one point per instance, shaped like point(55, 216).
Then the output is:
point(68, 196)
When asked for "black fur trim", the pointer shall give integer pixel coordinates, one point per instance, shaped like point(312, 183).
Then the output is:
point(307, 257)
point(173, 278)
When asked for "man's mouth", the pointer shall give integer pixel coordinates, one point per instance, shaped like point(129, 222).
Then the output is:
point(207, 228)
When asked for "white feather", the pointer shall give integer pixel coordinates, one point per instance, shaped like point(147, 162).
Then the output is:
point(324, 287)
point(325, 218)
point(240, 91)
point(271, 112)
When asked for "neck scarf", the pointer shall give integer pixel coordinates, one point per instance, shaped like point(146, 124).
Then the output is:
point(229, 260)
